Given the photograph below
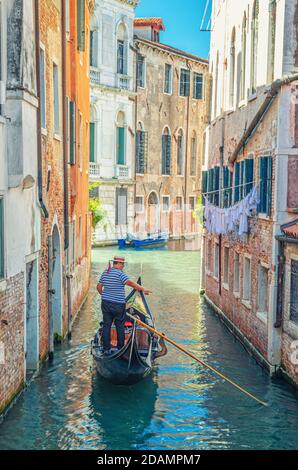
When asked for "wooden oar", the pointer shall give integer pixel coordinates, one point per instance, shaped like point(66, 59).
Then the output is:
point(162, 335)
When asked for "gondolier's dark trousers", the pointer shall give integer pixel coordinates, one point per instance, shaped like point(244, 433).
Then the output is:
point(113, 311)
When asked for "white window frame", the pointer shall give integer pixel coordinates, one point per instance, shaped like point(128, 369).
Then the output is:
point(246, 300)
point(236, 291)
point(142, 205)
point(216, 260)
point(165, 211)
point(226, 267)
point(43, 49)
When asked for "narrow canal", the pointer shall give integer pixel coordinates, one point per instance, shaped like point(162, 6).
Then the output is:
point(181, 406)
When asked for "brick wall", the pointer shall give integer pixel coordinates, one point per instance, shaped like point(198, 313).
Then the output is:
point(12, 339)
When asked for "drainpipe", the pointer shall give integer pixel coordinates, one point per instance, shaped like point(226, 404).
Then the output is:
point(186, 156)
point(65, 164)
point(38, 115)
point(280, 289)
point(221, 161)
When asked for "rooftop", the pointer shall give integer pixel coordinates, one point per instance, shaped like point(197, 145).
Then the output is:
point(170, 49)
point(149, 22)
point(291, 229)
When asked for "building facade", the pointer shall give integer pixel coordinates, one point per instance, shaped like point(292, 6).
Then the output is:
point(19, 212)
point(171, 115)
point(251, 142)
point(112, 115)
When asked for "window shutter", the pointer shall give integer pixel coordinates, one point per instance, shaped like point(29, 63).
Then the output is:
point(216, 185)
point(242, 180)
point(120, 146)
point(121, 206)
point(81, 24)
point(236, 182)
point(1, 238)
point(92, 142)
point(249, 175)
point(269, 185)
point(72, 133)
point(168, 154)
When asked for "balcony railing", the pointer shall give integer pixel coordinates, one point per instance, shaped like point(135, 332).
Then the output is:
point(94, 76)
point(123, 82)
point(94, 170)
point(122, 172)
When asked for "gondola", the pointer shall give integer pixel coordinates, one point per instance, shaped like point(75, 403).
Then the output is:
point(135, 360)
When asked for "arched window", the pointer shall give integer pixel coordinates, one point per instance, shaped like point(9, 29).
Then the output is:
point(254, 46)
point(120, 153)
point(193, 162)
point(141, 149)
point(271, 41)
point(232, 69)
point(166, 152)
point(122, 49)
point(243, 59)
point(180, 152)
point(94, 47)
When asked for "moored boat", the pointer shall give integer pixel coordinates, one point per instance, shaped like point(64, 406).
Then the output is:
point(136, 359)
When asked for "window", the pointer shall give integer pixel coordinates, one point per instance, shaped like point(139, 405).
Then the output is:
point(92, 142)
point(122, 49)
point(232, 69)
point(265, 178)
point(216, 260)
point(121, 206)
point(74, 239)
point(168, 85)
point(254, 45)
point(56, 99)
point(166, 203)
point(193, 163)
point(141, 71)
point(209, 254)
point(236, 285)
point(227, 186)
point(226, 266)
point(166, 152)
point(80, 143)
point(294, 292)
point(271, 41)
point(140, 204)
point(243, 59)
point(120, 154)
point(179, 203)
point(1, 238)
point(216, 88)
point(94, 48)
point(155, 35)
point(192, 202)
point(80, 241)
point(81, 24)
point(184, 82)
point(246, 279)
point(243, 178)
point(141, 150)
point(180, 151)
point(72, 132)
point(42, 88)
point(213, 185)
point(262, 289)
point(198, 86)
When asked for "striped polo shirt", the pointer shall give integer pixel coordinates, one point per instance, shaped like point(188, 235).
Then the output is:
point(114, 285)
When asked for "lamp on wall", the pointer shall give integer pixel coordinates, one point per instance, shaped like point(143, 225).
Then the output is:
point(28, 182)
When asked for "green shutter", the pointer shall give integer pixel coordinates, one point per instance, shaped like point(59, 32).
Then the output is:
point(1, 238)
point(236, 182)
point(269, 185)
point(92, 142)
point(81, 24)
point(72, 133)
point(120, 146)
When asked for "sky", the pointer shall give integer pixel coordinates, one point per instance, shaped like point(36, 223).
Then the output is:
point(182, 20)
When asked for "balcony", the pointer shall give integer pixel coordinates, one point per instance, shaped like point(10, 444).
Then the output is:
point(94, 170)
point(122, 172)
point(94, 76)
point(123, 82)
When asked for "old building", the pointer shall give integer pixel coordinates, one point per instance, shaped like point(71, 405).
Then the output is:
point(77, 148)
point(112, 114)
point(171, 116)
point(251, 143)
point(19, 212)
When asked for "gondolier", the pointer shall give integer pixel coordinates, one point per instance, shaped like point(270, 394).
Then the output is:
point(111, 287)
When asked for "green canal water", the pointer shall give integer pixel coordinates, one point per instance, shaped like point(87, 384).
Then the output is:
point(180, 406)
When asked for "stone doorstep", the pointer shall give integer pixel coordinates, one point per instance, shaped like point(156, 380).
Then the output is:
point(271, 369)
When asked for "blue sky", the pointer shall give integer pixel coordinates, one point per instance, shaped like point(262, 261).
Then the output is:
point(182, 20)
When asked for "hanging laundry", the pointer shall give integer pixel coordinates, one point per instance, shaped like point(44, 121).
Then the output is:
point(232, 219)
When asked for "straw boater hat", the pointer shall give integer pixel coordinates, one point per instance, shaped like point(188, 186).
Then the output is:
point(116, 259)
